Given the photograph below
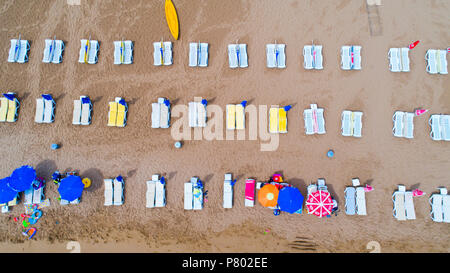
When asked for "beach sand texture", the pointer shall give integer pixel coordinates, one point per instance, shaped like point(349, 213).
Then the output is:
point(137, 151)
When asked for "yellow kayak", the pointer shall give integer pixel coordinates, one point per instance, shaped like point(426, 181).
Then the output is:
point(172, 18)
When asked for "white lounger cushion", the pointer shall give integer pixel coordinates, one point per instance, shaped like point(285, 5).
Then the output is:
point(357, 57)
point(39, 117)
point(350, 201)
point(270, 55)
point(357, 124)
point(86, 113)
point(55, 55)
point(309, 123)
point(442, 62)
point(318, 60)
point(409, 122)
point(21, 56)
point(360, 201)
point(76, 112)
point(346, 127)
point(150, 194)
point(430, 56)
point(435, 124)
point(108, 192)
point(227, 192)
point(160, 194)
point(398, 123)
point(308, 57)
point(320, 121)
point(394, 60)
point(399, 205)
point(92, 57)
point(445, 124)
point(118, 193)
point(49, 110)
point(437, 213)
point(409, 206)
point(446, 208)
point(156, 115)
point(346, 61)
point(188, 197)
point(404, 59)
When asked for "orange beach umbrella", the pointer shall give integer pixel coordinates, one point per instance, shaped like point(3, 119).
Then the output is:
point(268, 195)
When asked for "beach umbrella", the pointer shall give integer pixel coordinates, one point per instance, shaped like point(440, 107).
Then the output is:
point(22, 178)
point(319, 203)
point(417, 192)
point(413, 45)
point(290, 199)
point(268, 195)
point(70, 188)
point(10, 97)
point(6, 193)
point(419, 112)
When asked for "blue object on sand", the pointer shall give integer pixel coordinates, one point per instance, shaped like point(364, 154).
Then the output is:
point(6, 193)
point(47, 97)
point(287, 108)
point(55, 146)
point(163, 180)
point(204, 102)
point(244, 103)
point(167, 102)
point(178, 144)
point(22, 178)
point(9, 96)
point(330, 153)
point(70, 188)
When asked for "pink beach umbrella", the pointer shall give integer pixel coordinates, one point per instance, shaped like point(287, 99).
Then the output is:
point(419, 112)
point(368, 188)
point(319, 203)
point(417, 192)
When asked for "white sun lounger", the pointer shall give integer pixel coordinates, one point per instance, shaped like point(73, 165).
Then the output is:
point(128, 57)
point(156, 115)
point(281, 61)
point(150, 194)
point(361, 201)
point(188, 197)
point(76, 112)
point(430, 57)
point(445, 124)
point(399, 203)
point(404, 59)
point(357, 124)
point(39, 116)
point(204, 53)
point(92, 56)
point(350, 201)
point(197, 114)
point(394, 60)
point(227, 192)
point(49, 110)
point(321, 185)
point(434, 122)
point(309, 123)
point(409, 122)
point(356, 57)
point(442, 61)
point(437, 213)
point(28, 196)
point(409, 206)
point(398, 123)
point(164, 57)
point(198, 54)
point(118, 192)
point(320, 121)
point(237, 55)
point(445, 205)
point(197, 193)
point(232, 56)
point(123, 52)
point(108, 192)
point(53, 51)
point(318, 61)
point(243, 58)
point(86, 108)
point(38, 195)
point(346, 61)
point(165, 114)
point(160, 192)
point(308, 57)
point(271, 55)
point(346, 128)
point(240, 117)
point(18, 51)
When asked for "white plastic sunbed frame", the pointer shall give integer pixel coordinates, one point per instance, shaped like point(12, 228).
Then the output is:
point(188, 196)
point(350, 200)
point(160, 192)
point(164, 57)
point(437, 206)
point(123, 55)
point(18, 52)
point(118, 187)
point(398, 119)
point(92, 53)
point(435, 123)
point(274, 61)
point(227, 192)
point(150, 194)
point(198, 54)
point(53, 51)
point(108, 192)
point(237, 55)
point(361, 201)
point(398, 198)
point(197, 114)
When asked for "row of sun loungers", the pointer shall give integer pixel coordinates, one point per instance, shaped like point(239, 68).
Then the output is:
point(114, 191)
point(9, 105)
point(351, 123)
point(440, 127)
point(436, 61)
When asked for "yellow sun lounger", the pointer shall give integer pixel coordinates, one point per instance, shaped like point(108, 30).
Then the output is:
point(240, 117)
point(3, 109)
point(282, 121)
point(121, 114)
point(112, 115)
point(231, 116)
point(273, 120)
point(12, 110)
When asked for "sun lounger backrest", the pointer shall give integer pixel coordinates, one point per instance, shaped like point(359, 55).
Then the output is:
point(150, 194)
point(360, 201)
point(39, 117)
point(345, 58)
point(350, 201)
point(436, 202)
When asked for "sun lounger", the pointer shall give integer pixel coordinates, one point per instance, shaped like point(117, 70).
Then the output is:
point(409, 206)
point(398, 123)
point(204, 53)
point(282, 121)
point(3, 109)
point(445, 206)
point(38, 195)
point(28, 196)
point(49, 108)
point(281, 60)
point(311, 188)
point(442, 61)
point(346, 61)
point(197, 194)
point(360, 201)
point(250, 192)
point(118, 187)
point(430, 57)
point(76, 112)
point(128, 56)
point(156, 115)
point(188, 197)
point(321, 185)
point(231, 116)
point(399, 203)
point(350, 201)
point(86, 108)
point(346, 127)
point(445, 124)
point(13, 105)
point(434, 122)
point(309, 123)
point(271, 55)
point(39, 116)
point(151, 194)
point(404, 59)
point(112, 113)
point(197, 114)
point(320, 121)
point(18, 51)
point(88, 52)
point(394, 60)
point(160, 192)
point(240, 117)
point(108, 192)
point(53, 51)
point(308, 57)
point(357, 124)
point(122, 109)
point(162, 54)
point(201, 110)
point(356, 57)
point(165, 113)
point(243, 58)
point(227, 192)
point(273, 120)
point(409, 122)
point(317, 57)
point(436, 202)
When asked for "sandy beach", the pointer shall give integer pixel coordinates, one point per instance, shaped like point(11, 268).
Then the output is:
point(138, 151)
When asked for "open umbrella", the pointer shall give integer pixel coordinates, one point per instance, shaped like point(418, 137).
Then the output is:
point(319, 203)
point(6, 193)
point(70, 188)
point(22, 178)
point(290, 199)
point(268, 195)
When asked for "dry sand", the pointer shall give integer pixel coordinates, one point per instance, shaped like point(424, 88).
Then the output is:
point(137, 151)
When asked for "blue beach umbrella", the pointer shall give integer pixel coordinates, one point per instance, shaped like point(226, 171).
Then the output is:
point(9, 96)
point(22, 178)
point(6, 193)
point(70, 188)
point(244, 103)
point(290, 199)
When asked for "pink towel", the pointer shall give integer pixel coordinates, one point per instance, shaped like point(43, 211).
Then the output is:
point(316, 127)
point(250, 189)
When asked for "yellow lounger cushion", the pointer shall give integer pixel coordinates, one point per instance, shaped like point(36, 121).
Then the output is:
point(121, 112)
point(112, 116)
point(3, 109)
point(273, 120)
point(231, 116)
point(282, 120)
point(240, 117)
point(11, 117)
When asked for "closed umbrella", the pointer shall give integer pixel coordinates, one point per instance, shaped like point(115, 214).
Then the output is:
point(290, 199)
point(268, 195)
point(22, 178)
point(319, 203)
point(71, 188)
point(6, 193)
